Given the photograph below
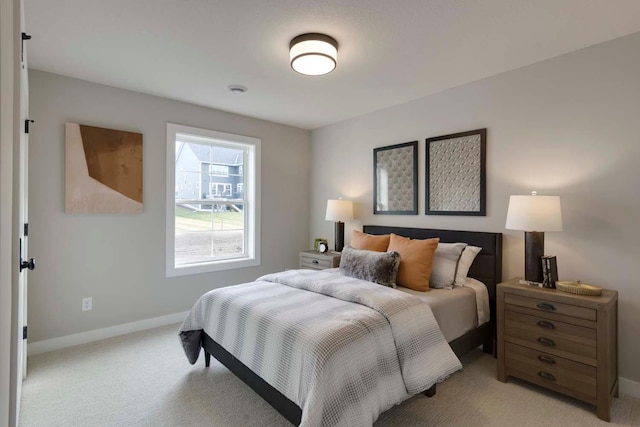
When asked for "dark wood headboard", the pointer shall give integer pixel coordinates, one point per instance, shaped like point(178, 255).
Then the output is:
point(487, 267)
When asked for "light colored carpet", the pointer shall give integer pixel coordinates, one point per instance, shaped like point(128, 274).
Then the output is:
point(144, 379)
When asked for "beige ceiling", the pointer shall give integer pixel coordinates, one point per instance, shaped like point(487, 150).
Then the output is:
point(390, 51)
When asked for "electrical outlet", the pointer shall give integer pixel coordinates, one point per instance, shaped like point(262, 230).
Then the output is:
point(87, 304)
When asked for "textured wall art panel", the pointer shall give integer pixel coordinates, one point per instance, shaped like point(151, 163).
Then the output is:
point(395, 179)
point(103, 170)
point(456, 174)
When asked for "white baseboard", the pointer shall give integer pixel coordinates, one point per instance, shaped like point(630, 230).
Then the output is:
point(100, 334)
point(629, 387)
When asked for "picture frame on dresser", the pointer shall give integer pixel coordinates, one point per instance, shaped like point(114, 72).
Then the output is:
point(395, 179)
point(456, 174)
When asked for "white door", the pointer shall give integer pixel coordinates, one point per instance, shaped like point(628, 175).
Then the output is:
point(24, 216)
point(26, 264)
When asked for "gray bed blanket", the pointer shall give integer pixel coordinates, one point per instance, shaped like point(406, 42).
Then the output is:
point(342, 349)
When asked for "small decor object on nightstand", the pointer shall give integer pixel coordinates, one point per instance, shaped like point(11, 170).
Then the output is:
point(579, 288)
point(549, 271)
point(316, 243)
point(323, 248)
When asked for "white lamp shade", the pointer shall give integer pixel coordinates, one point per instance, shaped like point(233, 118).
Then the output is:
point(313, 54)
point(534, 213)
point(339, 210)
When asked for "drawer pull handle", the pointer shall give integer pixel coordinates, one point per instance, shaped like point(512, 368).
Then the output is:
point(546, 306)
point(315, 261)
point(547, 359)
point(546, 376)
point(547, 342)
point(546, 325)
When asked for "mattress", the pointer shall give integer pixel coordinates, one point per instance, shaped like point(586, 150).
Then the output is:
point(457, 310)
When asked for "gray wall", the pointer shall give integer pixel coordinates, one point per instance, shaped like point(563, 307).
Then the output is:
point(119, 260)
point(569, 126)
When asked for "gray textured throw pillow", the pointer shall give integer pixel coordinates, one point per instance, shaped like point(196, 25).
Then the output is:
point(377, 267)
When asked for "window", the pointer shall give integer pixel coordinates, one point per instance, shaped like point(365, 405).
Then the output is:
point(220, 190)
point(211, 228)
point(219, 170)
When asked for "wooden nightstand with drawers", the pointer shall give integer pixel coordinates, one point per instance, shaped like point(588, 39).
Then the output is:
point(319, 261)
point(561, 341)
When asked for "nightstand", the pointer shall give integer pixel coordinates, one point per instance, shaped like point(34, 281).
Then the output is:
point(561, 341)
point(318, 261)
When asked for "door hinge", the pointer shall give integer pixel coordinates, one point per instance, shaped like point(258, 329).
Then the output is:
point(26, 230)
point(26, 125)
point(25, 36)
point(24, 332)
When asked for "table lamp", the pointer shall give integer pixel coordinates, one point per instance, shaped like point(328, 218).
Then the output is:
point(534, 215)
point(339, 211)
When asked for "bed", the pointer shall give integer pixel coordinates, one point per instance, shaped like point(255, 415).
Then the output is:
point(486, 269)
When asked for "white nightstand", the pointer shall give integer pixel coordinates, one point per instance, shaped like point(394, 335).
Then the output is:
point(318, 261)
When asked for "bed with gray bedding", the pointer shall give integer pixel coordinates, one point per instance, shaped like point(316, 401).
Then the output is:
point(225, 344)
point(301, 331)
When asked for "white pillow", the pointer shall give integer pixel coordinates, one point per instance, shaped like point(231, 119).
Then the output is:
point(445, 263)
point(466, 259)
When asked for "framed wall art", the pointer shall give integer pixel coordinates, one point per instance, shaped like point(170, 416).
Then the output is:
point(103, 170)
point(456, 174)
point(395, 179)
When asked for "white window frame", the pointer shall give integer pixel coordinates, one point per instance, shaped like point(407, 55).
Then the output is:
point(252, 207)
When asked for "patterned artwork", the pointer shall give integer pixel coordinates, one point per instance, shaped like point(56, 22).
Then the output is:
point(395, 179)
point(103, 170)
point(456, 174)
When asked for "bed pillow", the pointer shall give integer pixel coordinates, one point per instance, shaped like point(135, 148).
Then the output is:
point(376, 267)
point(416, 261)
point(445, 264)
point(466, 259)
point(369, 242)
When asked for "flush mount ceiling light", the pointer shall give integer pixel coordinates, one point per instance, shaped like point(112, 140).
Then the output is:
point(313, 54)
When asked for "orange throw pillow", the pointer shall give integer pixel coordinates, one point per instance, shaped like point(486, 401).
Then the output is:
point(416, 261)
point(369, 242)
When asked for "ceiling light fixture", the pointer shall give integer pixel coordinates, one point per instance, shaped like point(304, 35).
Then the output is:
point(237, 89)
point(313, 54)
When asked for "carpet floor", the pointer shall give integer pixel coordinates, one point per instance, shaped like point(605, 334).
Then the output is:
point(144, 379)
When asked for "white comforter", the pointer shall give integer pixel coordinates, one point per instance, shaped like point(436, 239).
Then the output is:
point(342, 349)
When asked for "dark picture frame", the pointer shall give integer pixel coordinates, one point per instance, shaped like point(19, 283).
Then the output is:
point(395, 179)
point(456, 174)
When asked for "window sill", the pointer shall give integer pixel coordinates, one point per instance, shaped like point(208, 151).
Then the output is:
point(212, 266)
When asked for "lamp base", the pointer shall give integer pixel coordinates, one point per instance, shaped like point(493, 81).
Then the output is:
point(533, 253)
point(339, 236)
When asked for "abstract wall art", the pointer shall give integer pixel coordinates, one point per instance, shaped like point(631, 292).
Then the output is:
point(103, 170)
point(395, 179)
point(456, 174)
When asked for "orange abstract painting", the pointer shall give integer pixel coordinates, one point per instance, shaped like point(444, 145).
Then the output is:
point(103, 170)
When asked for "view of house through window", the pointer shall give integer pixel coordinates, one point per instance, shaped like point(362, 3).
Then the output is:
point(213, 212)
